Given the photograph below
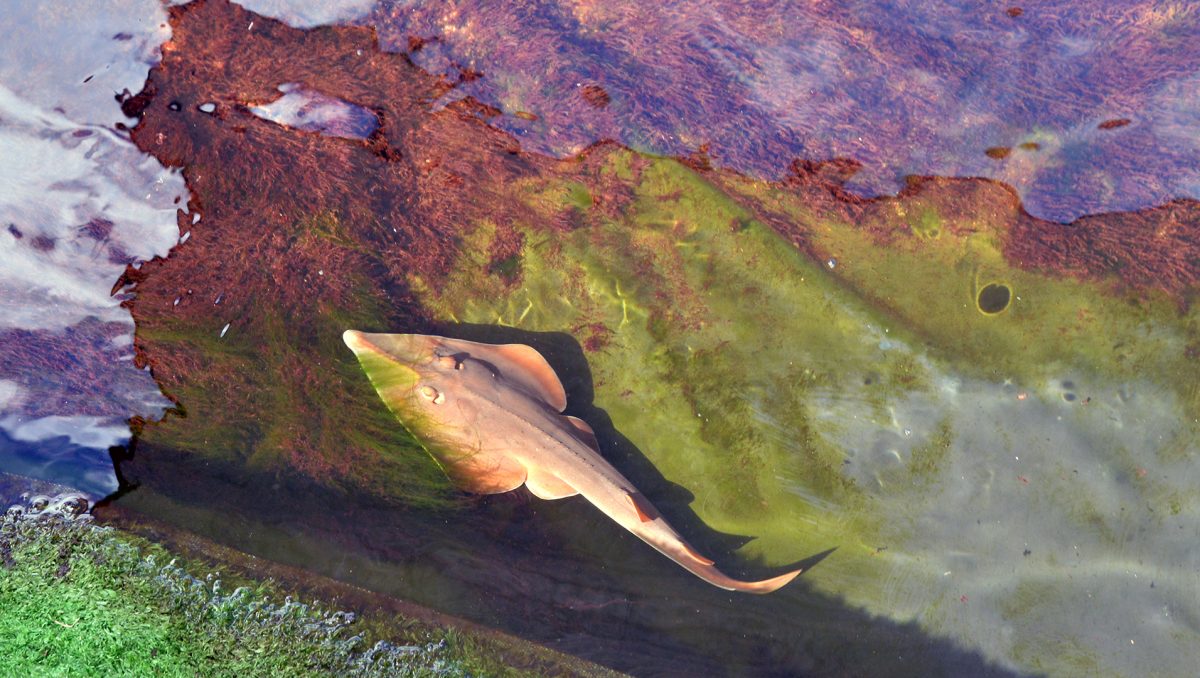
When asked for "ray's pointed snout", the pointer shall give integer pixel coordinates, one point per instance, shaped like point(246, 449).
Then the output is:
point(407, 349)
point(353, 339)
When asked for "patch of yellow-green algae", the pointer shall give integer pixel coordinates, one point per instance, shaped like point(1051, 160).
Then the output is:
point(716, 334)
point(716, 346)
point(926, 276)
point(1039, 644)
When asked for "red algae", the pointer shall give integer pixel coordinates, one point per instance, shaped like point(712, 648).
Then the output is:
point(904, 88)
point(1151, 249)
point(300, 232)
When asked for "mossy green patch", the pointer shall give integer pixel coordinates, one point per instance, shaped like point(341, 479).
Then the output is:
point(719, 344)
point(925, 462)
point(1050, 325)
point(729, 355)
point(927, 224)
point(1037, 643)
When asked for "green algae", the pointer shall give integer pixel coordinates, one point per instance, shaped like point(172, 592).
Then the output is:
point(728, 357)
point(707, 337)
point(1037, 643)
point(1051, 326)
point(927, 224)
point(926, 462)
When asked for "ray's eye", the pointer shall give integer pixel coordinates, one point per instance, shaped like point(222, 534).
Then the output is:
point(433, 394)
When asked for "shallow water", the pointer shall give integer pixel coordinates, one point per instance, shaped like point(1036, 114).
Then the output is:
point(987, 417)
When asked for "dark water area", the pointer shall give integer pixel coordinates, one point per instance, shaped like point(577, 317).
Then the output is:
point(850, 316)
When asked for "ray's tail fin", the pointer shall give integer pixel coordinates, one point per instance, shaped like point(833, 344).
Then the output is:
point(712, 575)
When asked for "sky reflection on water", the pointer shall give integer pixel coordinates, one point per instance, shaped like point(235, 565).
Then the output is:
point(902, 87)
point(77, 204)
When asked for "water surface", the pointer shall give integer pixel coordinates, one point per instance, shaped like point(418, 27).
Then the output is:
point(984, 412)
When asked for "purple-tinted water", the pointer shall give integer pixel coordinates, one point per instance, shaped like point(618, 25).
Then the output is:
point(901, 87)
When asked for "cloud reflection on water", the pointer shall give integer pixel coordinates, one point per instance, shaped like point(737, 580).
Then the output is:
point(77, 204)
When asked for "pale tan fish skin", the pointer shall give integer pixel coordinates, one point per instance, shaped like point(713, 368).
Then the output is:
point(501, 405)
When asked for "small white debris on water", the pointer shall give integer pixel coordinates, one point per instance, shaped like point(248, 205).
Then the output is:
point(208, 108)
point(321, 272)
point(224, 330)
point(219, 298)
point(176, 301)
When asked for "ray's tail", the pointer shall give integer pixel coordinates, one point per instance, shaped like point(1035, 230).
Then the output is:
point(712, 575)
point(666, 541)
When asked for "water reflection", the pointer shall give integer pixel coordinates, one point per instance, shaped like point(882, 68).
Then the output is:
point(904, 88)
point(305, 109)
point(77, 205)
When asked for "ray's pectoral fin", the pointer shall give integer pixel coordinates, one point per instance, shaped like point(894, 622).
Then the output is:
point(519, 364)
point(483, 473)
point(545, 485)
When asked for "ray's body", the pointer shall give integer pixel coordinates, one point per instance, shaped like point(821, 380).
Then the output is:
point(491, 416)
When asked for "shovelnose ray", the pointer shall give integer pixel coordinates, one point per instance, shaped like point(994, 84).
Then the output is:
point(491, 416)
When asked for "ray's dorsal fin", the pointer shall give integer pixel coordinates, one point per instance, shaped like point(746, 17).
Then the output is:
point(585, 432)
point(546, 485)
point(519, 364)
point(645, 510)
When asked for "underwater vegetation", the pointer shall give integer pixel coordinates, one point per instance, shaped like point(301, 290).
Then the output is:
point(908, 378)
